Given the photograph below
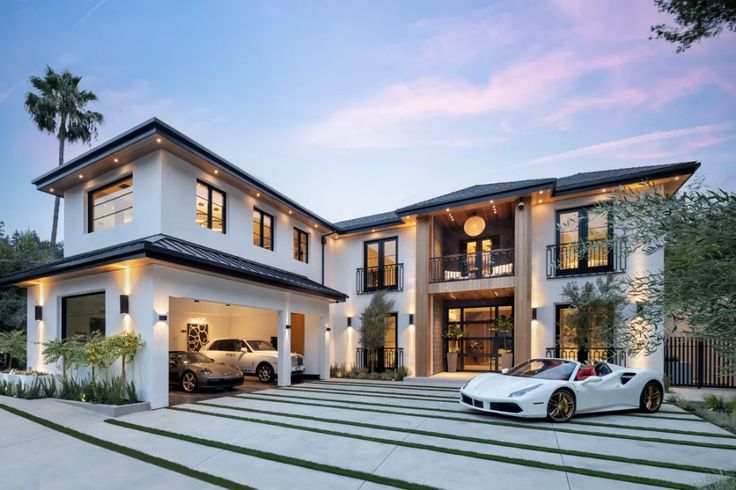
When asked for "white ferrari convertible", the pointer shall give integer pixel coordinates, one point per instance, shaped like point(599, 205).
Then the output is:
point(558, 389)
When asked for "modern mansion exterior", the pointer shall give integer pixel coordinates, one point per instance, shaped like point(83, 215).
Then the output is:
point(164, 237)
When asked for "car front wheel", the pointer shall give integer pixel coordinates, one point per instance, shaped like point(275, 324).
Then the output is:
point(651, 397)
point(265, 373)
point(561, 406)
point(189, 382)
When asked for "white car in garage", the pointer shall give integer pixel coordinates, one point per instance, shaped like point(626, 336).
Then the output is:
point(257, 357)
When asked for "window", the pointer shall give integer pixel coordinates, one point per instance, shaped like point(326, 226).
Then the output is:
point(110, 205)
point(380, 262)
point(588, 227)
point(262, 229)
point(228, 345)
point(301, 245)
point(82, 315)
point(210, 207)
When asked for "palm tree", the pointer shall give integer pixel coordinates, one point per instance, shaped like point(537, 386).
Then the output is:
point(58, 107)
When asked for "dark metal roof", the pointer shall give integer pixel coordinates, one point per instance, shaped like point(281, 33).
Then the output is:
point(180, 252)
point(156, 126)
point(475, 193)
point(367, 222)
point(590, 180)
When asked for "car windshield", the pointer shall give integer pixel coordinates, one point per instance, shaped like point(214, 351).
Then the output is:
point(544, 369)
point(260, 345)
point(194, 357)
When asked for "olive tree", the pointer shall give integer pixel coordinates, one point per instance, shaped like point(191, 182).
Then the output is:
point(373, 325)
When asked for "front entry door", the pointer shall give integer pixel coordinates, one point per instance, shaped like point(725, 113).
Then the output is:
point(488, 337)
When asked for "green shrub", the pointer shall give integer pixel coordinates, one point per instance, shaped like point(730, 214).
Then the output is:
point(340, 371)
point(714, 402)
point(48, 386)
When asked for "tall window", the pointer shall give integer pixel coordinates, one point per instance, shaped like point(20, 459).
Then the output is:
point(210, 207)
point(262, 229)
point(82, 315)
point(380, 262)
point(588, 227)
point(301, 245)
point(110, 205)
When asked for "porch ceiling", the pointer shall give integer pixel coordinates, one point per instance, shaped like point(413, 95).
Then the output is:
point(455, 217)
point(476, 295)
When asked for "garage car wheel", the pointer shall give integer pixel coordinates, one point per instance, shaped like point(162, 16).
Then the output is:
point(651, 397)
point(561, 406)
point(188, 382)
point(265, 373)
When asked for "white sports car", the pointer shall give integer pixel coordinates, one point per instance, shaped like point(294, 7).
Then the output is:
point(558, 389)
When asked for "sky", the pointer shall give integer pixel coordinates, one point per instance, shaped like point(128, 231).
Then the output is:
point(359, 107)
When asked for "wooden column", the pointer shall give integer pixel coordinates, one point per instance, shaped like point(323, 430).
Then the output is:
point(422, 317)
point(523, 281)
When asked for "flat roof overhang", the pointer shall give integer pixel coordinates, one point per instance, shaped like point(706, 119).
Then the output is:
point(144, 252)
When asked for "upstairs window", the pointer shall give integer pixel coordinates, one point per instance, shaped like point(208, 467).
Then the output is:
point(583, 241)
point(262, 229)
point(380, 262)
point(110, 205)
point(301, 245)
point(210, 207)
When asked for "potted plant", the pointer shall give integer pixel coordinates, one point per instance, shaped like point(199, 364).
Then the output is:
point(453, 335)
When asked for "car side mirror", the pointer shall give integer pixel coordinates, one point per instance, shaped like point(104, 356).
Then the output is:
point(244, 349)
point(504, 370)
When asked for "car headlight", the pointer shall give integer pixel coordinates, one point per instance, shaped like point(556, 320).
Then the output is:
point(523, 391)
point(205, 371)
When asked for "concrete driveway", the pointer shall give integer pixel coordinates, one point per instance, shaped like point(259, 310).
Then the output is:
point(351, 434)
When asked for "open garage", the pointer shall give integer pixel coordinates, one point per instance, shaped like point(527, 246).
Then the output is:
point(244, 336)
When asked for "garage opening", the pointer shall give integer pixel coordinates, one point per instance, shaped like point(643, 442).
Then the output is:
point(241, 340)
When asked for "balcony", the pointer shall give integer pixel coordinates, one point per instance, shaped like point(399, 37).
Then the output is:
point(466, 266)
point(371, 279)
point(586, 258)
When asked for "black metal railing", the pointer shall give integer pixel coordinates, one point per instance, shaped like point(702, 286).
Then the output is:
point(589, 257)
point(699, 362)
point(479, 265)
point(372, 279)
point(381, 360)
point(608, 354)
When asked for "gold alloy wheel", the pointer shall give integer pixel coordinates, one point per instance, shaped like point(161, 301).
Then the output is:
point(652, 397)
point(188, 382)
point(561, 406)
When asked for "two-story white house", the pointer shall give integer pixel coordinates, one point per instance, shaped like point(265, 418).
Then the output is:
point(164, 237)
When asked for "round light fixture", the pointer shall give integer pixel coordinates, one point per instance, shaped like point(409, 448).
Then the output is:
point(474, 226)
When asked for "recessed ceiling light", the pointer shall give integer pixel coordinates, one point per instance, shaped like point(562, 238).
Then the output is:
point(158, 140)
point(258, 194)
point(217, 171)
point(290, 211)
point(677, 178)
point(448, 210)
point(540, 201)
point(115, 160)
point(603, 190)
point(373, 230)
point(51, 190)
point(81, 176)
point(315, 226)
point(541, 192)
point(491, 201)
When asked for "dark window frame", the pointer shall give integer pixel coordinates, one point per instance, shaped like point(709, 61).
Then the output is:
point(211, 188)
point(495, 303)
point(90, 199)
point(395, 315)
point(582, 267)
point(298, 234)
point(273, 230)
point(64, 300)
point(381, 265)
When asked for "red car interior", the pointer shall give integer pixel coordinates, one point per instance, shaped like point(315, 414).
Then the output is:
point(584, 373)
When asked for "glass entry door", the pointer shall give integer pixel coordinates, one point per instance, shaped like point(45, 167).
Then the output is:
point(488, 337)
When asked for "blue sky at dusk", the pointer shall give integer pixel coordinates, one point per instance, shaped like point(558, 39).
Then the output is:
point(354, 108)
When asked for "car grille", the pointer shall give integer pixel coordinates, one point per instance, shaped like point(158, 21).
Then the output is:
point(470, 401)
point(223, 381)
point(466, 399)
point(297, 361)
point(505, 407)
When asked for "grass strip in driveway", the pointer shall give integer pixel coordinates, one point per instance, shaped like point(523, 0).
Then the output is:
point(397, 385)
point(126, 451)
point(378, 394)
point(278, 458)
point(573, 422)
point(490, 442)
point(502, 423)
point(456, 452)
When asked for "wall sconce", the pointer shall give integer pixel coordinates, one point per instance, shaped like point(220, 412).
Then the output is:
point(534, 313)
point(163, 318)
point(38, 311)
point(350, 321)
point(411, 318)
point(287, 327)
point(124, 304)
point(328, 329)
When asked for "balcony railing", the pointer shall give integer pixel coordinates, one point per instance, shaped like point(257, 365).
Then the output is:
point(480, 265)
point(372, 279)
point(383, 359)
point(608, 354)
point(582, 258)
